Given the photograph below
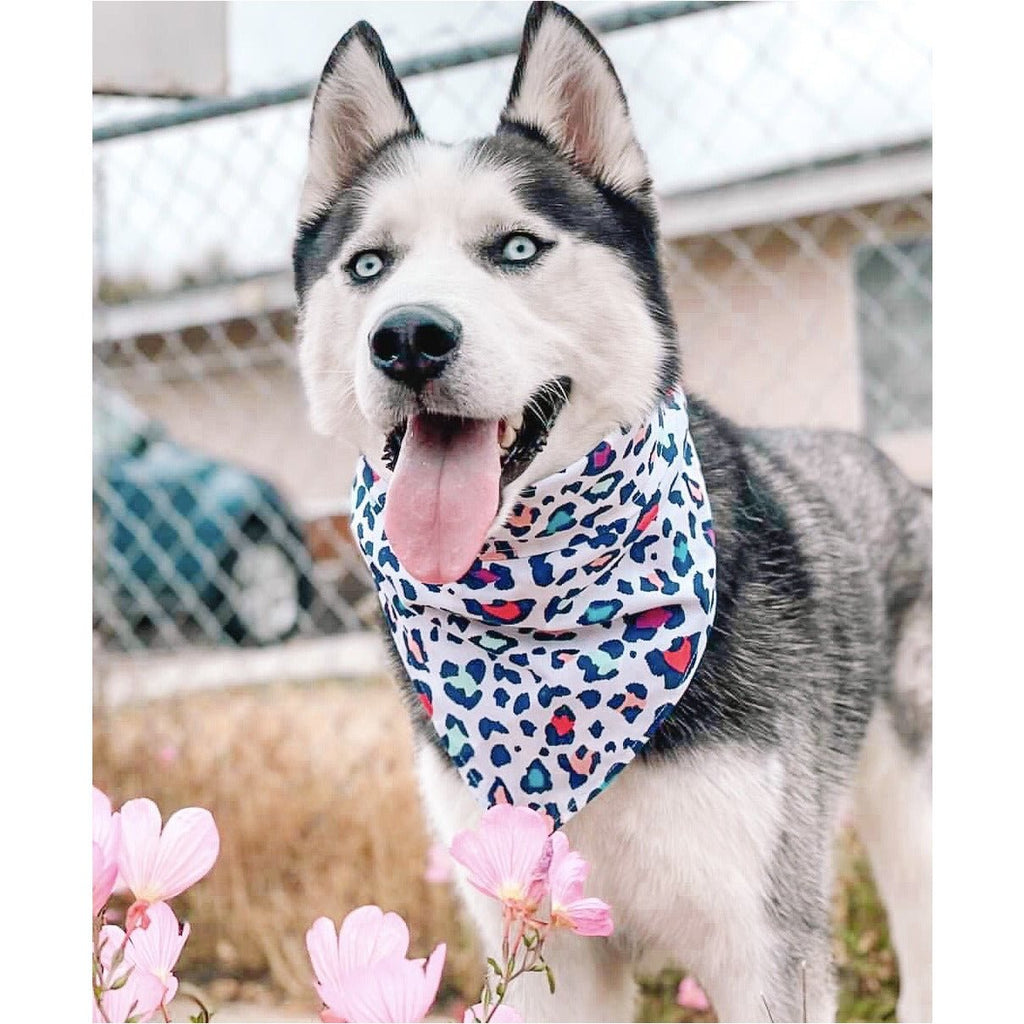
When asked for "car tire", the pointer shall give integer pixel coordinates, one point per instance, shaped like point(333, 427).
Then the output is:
point(270, 592)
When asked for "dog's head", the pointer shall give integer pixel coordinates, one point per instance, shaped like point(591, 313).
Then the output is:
point(477, 316)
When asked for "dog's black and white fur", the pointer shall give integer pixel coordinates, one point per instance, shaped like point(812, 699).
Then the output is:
point(713, 847)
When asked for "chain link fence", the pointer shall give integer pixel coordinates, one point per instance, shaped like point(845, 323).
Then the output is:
point(790, 145)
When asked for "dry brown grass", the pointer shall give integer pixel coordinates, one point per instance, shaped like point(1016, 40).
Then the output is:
point(313, 794)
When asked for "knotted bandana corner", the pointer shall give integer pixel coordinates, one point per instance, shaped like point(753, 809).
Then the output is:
point(551, 663)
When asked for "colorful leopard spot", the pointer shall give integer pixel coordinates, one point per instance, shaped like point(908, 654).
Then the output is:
point(493, 575)
point(561, 519)
point(456, 741)
point(640, 551)
point(423, 692)
point(602, 664)
point(709, 532)
point(695, 489)
point(495, 643)
point(579, 768)
point(599, 459)
point(557, 607)
point(462, 685)
point(675, 663)
point(542, 570)
point(599, 563)
point(703, 594)
point(414, 649)
point(559, 731)
point(602, 487)
point(489, 726)
point(522, 518)
point(501, 672)
point(501, 612)
point(546, 694)
point(600, 611)
point(682, 560)
point(537, 779)
point(498, 793)
point(646, 625)
point(647, 518)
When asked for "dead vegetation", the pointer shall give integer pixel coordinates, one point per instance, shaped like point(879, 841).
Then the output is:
point(314, 796)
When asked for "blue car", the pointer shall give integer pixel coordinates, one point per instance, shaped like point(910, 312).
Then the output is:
point(183, 541)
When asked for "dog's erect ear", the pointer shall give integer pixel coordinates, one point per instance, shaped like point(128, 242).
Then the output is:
point(359, 105)
point(565, 87)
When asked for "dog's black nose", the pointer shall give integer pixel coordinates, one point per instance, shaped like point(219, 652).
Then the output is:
point(413, 344)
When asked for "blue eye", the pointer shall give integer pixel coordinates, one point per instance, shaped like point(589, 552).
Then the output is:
point(366, 265)
point(519, 249)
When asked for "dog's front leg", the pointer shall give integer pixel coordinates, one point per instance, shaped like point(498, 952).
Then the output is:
point(593, 979)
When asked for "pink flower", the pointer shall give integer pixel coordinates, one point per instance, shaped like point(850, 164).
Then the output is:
point(439, 865)
point(155, 949)
point(366, 935)
point(361, 972)
point(691, 996)
point(106, 845)
point(569, 909)
point(392, 990)
point(167, 754)
point(159, 865)
point(502, 1015)
point(508, 855)
point(140, 995)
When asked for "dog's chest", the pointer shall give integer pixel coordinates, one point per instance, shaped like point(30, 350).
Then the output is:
point(667, 842)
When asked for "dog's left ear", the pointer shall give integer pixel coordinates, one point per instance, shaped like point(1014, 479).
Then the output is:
point(565, 87)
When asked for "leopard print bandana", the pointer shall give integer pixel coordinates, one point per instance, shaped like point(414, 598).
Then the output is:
point(553, 660)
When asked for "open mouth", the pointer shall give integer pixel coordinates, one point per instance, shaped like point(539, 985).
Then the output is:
point(449, 474)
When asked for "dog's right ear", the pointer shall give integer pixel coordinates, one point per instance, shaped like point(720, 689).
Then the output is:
point(359, 105)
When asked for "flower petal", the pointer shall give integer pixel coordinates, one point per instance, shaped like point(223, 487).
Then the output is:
point(140, 840)
point(391, 990)
point(156, 947)
point(188, 849)
point(367, 935)
point(104, 874)
point(507, 855)
point(139, 998)
point(691, 996)
point(322, 946)
point(568, 872)
point(590, 917)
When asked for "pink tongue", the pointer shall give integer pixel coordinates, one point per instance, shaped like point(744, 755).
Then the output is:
point(443, 497)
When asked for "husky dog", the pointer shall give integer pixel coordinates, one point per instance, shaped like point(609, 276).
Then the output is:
point(499, 307)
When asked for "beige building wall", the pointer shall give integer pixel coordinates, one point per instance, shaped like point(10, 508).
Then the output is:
point(768, 332)
point(768, 329)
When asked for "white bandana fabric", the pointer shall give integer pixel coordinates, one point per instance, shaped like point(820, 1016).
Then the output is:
point(549, 665)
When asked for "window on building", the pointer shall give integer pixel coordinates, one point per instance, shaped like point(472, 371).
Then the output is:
point(894, 327)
